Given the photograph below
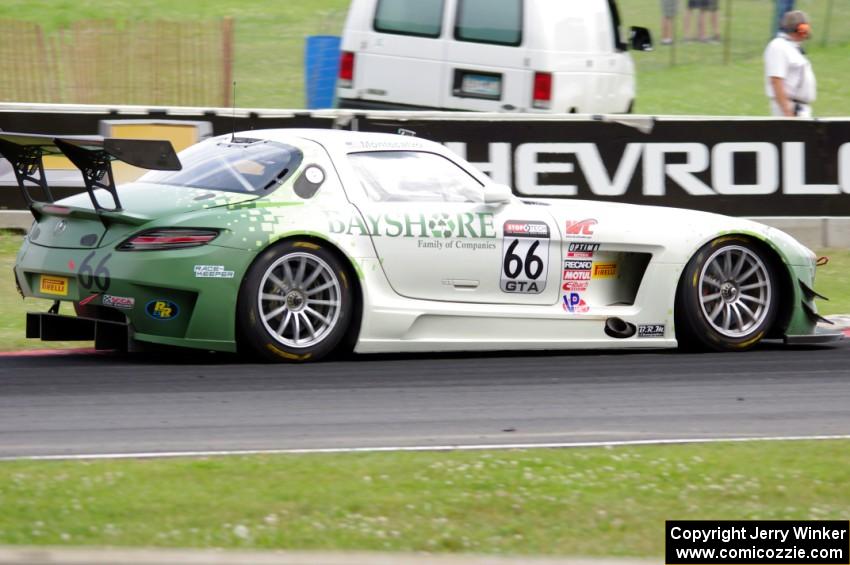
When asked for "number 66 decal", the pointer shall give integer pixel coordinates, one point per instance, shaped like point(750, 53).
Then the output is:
point(525, 257)
point(98, 276)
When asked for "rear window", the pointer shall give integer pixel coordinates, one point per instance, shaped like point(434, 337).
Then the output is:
point(410, 17)
point(250, 166)
point(489, 21)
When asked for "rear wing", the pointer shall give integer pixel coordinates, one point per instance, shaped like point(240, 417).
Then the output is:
point(93, 155)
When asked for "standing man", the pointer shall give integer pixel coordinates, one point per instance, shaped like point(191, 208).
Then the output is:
point(789, 78)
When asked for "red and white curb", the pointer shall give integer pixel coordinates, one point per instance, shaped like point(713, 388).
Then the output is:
point(50, 352)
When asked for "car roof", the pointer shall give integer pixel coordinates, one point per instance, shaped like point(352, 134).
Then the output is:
point(346, 141)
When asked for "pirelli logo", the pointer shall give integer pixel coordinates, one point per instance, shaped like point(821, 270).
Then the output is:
point(57, 286)
point(604, 270)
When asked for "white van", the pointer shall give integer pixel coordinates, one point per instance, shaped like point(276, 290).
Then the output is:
point(546, 56)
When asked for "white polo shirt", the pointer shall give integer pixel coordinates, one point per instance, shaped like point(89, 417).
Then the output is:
point(784, 59)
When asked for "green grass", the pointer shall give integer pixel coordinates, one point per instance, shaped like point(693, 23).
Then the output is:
point(270, 39)
point(569, 502)
point(833, 281)
point(738, 89)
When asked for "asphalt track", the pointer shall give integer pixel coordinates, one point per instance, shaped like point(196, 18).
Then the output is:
point(86, 404)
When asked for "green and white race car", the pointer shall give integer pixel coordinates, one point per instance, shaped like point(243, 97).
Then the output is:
point(294, 244)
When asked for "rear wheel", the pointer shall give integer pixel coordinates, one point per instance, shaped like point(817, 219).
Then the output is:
point(295, 304)
point(728, 297)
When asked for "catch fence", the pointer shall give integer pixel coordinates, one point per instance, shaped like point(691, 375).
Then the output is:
point(188, 63)
point(744, 28)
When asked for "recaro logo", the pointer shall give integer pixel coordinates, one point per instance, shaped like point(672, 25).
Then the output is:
point(580, 228)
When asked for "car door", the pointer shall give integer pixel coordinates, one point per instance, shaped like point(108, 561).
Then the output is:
point(438, 240)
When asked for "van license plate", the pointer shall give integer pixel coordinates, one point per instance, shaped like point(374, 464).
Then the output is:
point(481, 86)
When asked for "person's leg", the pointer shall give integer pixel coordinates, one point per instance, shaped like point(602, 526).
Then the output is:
point(713, 8)
point(686, 24)
point(701, 24)
point(668, 12)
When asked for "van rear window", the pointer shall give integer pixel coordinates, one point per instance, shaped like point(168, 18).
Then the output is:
point(410, 17)
point(489, 21)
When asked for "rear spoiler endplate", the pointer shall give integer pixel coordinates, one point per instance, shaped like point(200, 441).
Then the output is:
point(92, 155)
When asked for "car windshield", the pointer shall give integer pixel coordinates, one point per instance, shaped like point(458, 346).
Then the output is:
point(244, 165)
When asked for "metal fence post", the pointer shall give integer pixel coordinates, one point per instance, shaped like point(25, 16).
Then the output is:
point(727, 39)
point(227, 61)
point(827, 21)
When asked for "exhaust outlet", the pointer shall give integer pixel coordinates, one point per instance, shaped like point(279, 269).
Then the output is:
point(615, 327)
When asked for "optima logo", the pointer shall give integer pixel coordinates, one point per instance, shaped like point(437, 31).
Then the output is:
point(162, 309)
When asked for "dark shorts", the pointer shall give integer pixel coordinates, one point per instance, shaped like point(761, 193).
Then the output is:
point(707, 5)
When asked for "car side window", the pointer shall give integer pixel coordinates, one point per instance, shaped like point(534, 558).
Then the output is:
point(414, 176)
point(423, 18)
point(489, 21)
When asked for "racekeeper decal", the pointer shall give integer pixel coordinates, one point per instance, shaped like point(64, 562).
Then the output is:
point(651, 330)
point(212, 272)
point(122, 302)
point(525, 257)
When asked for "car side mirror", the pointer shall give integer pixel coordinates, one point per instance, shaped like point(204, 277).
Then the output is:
point(497, 194)
point(640, 39)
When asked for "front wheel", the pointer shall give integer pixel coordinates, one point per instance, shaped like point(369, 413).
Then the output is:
point(728, 297)
point(295, 304)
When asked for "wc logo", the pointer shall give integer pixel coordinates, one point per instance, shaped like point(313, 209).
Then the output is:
point(777, 167)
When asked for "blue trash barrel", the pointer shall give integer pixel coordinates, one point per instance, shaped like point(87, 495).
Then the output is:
point(321, 67)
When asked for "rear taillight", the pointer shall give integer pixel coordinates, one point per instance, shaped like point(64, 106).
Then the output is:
point(542, 96)
point(346, 70)
point(173, 238)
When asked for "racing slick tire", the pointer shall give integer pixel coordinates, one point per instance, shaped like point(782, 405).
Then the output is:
point(295, 304)
point(728, 296)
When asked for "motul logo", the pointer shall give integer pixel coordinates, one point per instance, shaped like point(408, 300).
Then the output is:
point(580, 228)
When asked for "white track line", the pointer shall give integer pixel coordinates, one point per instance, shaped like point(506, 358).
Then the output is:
point(502, 446)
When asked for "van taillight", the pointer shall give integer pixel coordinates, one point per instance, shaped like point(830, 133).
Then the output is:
point(542, 98)
point(346, 70)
